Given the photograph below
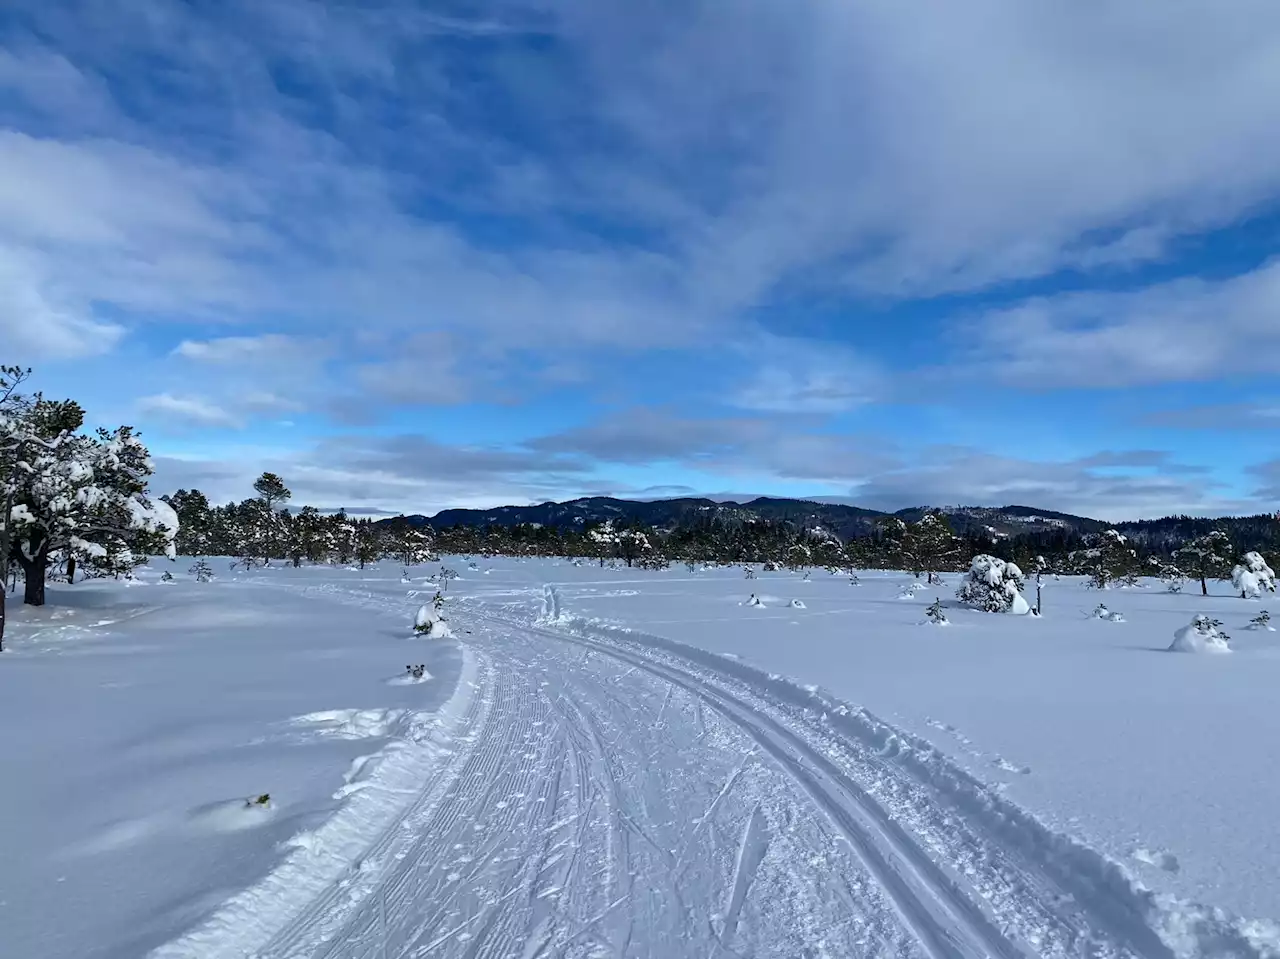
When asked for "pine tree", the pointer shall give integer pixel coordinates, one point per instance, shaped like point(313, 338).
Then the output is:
point(15, 438)
point(1206, 558)
point(936, 546)
point(1110, 560)
point(195, 522)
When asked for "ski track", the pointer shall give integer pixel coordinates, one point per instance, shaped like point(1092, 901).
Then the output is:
point(618, 799)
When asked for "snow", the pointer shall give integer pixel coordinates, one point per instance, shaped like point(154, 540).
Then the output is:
point(629, 762)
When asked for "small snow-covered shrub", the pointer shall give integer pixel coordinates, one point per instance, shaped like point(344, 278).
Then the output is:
point(1262, 621)
point(994, 586)
point(430, 621)
point(751, 573)
point(797, 604)
point(166, 577)
point(770, 566)
point(260, 802)
point(753, 600)
point(417, 672)
point(907, 592)
point(202, 571)
point(1201, 635)
point(1252, 576)
point(936, 616)
point(1110, 615)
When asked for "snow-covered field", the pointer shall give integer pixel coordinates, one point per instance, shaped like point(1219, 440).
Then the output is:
point(594, 766)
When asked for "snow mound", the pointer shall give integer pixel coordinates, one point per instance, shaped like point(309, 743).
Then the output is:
point(350, 723)
point(797, 604)
point(754, 600)
point(1201, 635)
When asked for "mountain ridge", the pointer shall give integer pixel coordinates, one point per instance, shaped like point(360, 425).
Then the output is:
point(840, 518)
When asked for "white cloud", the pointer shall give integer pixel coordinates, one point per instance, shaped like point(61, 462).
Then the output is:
point(40, 321)
point(1188, 330)
point(187, 410)
point(272, 347)
point(804, 376)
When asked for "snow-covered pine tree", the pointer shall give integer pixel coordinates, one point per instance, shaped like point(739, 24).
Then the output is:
point(898, 548)
point(368, 542)
point(994, 586)
point(15, 438)
point(1206, 558)
point(84, 494)
point(935, 613)
point(412, 544)
point(936, 546)
point(1171, 575)
point(1111, 559)
point(195, 522)
point(343, 533)
point(1252, 576)
point(272, 495)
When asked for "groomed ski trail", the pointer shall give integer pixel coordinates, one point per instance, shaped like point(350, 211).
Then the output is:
point(618, 796)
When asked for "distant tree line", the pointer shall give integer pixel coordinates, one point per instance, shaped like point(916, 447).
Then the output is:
point(263, 528)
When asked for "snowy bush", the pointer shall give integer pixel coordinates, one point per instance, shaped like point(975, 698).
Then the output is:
point(1262, 621)
point(1110, 616)
point(1202, 635)
point(908, 592)
point(753, 600)
point(797, 604)
point(1252, 576)
point(994, 586)
point(202, 571)
point(430, 621)
point(416, 672)
point(936, 616)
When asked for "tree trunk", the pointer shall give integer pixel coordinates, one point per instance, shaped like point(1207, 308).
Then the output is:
point(1204, 586)
point(3, 596)
point(34, 570)
point(71, 569)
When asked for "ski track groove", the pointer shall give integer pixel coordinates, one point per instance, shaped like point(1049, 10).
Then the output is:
point(979, 934)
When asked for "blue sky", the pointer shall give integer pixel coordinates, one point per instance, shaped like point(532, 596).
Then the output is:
point(416, 255)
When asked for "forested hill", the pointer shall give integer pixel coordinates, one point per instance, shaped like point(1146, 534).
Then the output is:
point(844, 520)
